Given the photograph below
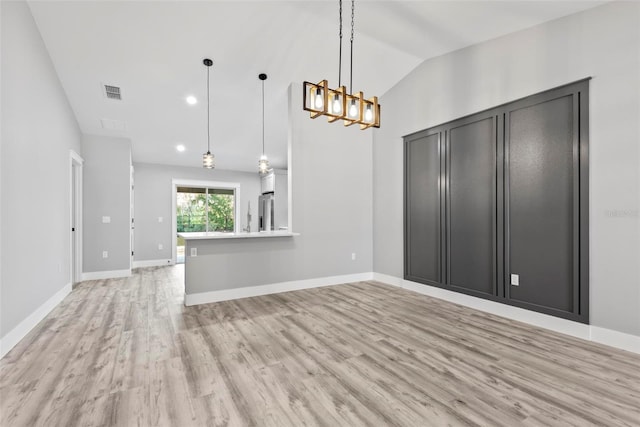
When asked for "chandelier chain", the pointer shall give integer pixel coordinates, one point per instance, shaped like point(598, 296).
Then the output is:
point(340, 50)
point(351, 58)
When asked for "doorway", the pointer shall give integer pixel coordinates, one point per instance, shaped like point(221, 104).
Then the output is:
point(132, 216)
point(75, 215)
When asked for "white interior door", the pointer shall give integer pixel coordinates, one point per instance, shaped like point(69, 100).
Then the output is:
point(75, 269)
point(132, 215)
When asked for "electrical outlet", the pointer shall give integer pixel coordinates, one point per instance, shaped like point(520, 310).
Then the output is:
point(160, 246)
point(194, 251)
point(160, 219)
point(105, 254)
point(106, 219)
point(515, 280)
point(353, 256)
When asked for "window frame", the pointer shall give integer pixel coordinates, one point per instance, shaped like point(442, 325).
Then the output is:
point(223, 185)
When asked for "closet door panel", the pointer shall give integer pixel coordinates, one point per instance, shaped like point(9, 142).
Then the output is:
point(540, 153)
point(422, 209)
point(471, 203)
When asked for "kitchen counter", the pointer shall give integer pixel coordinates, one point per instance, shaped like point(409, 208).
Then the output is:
point(242, 235)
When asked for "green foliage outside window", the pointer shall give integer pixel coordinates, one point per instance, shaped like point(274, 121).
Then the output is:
point(194, 209)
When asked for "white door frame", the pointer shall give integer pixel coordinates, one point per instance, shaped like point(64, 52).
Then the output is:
point(132, 224)
point(175, 183)
point(75, 212)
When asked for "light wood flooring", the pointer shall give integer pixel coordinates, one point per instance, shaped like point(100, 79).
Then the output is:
point(126, 352)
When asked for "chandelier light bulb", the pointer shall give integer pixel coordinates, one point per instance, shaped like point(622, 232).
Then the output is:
point(353, 109)
point(368, 114)
point(337, 105)
point(319, 102)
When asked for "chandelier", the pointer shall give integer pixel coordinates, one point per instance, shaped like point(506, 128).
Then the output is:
point(337, 104)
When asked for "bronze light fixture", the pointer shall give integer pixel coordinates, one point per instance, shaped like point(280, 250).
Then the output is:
point(320, 100)
point(208, 159)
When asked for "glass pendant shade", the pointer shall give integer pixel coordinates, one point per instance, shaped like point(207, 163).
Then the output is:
point(354, 111)
point(336, 107)
point(370, 113)
point(208, 160)
point(263, 164)
point(318, 100)
point(337, 104)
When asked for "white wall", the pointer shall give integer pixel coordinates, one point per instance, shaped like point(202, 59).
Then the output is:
point(603, 43)
point(330, 168)
point(106, 192)
point(153, 200)
point(38, 130)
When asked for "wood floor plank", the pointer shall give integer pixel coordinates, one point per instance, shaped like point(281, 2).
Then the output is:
point(127, 352)
point(169, 395)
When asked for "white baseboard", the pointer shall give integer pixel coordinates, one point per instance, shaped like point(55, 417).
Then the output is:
point(274, 288)
point(579, 330)
point(615, 339)
point(389, 280)
point(152, 263)
point(14, 336)
point(111, 274)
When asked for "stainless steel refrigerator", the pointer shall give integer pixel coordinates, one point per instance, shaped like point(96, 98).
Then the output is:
point(265, 208)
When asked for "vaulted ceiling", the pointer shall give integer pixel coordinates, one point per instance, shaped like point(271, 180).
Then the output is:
point(153, 51)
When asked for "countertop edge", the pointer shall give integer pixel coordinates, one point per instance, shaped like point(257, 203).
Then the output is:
point(226, 236)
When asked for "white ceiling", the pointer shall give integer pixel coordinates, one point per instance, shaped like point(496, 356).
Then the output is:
point(153, 50)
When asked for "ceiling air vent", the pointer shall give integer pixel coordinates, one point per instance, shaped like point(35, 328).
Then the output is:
point(112, 92)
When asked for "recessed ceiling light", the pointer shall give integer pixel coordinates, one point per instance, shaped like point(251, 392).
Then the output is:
point(180, 148)
point(191, 100)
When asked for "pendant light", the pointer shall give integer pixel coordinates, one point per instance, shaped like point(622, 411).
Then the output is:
point(263, 163)
point(337, 104)
point(208, 159)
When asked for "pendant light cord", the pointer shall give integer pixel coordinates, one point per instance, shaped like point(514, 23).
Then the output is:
point(263, 117)
point(208, 115)
point(340, 54)
point(351, 59)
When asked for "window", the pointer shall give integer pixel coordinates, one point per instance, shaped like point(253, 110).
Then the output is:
point(203, 209)
point(203, 206)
